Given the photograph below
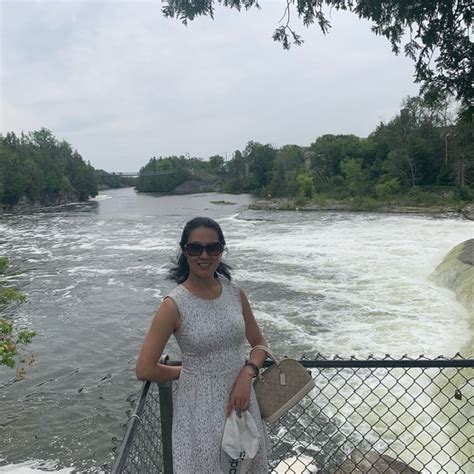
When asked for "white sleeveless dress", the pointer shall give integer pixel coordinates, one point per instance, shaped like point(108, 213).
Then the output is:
point(211, 339)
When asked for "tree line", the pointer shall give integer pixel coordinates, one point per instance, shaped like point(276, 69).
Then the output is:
point(39, 168)
point(164, 174)
point(422, 148)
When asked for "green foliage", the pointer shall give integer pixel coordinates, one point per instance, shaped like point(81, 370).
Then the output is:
point(355, 176)
point(364, 203)
point(162, 175)
point(387, 187)
point(10, 294)
point(11, 346)
point(328, 151)
point(419, 148)
point(288, 163)
point(237, 177)
point(260, 159)
point(301, 201)
point(435, 33)
point(305, 185)
point(464, 193)
point(12, 341)
point(113, 181)
point(216, 164)
point(41, 169)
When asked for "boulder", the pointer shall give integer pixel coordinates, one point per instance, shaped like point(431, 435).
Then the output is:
point(468, 211)
point(296, 465)
point(456, 272)
point(373, 462)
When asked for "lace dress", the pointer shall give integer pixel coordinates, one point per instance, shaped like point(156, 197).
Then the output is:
point(211, 339)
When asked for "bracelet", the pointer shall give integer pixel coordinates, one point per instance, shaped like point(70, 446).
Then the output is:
point(254, 367)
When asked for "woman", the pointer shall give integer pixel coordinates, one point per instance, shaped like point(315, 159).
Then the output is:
point(210, 318)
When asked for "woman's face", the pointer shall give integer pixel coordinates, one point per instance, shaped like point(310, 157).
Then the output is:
point(203, 265)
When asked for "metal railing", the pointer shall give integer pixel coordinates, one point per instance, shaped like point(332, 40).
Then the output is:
point(374, 415)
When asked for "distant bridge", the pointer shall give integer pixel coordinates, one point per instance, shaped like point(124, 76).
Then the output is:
point(135, 174)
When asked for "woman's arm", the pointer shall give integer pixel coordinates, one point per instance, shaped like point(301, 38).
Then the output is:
point(165, 322)
point(252, 332)
point(240, 395)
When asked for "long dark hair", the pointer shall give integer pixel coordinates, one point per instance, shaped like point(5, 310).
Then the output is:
point(180, 270)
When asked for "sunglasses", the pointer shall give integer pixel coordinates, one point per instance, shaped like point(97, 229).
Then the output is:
point(193, 249)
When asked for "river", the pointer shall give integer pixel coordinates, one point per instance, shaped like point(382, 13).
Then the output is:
point(328, 282)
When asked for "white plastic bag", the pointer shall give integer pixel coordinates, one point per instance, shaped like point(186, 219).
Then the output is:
point(240, 442)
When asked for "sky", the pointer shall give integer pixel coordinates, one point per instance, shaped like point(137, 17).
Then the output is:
point(121, 83)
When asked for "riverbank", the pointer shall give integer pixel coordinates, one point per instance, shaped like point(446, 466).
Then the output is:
point(360, 205)
point(25, 205)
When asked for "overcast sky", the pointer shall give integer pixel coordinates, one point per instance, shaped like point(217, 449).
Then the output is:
point(121, 83)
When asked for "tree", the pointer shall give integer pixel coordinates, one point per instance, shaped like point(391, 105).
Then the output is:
point(288, 162)
point(163, 175)
point(356, 177)
point(462, 170)
point(435, 32)
point(237, 175)
point(12, 340)
point(42, 169)
point(260, 158)
point(413, 144)
point(217, 164)
point(328, 151)
point(305, 185)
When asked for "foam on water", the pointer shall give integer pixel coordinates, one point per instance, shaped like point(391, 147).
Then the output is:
point(35, 467)
point(100, 197)
point(370, 277)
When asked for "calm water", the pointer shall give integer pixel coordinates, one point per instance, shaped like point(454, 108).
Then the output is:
point(335, 283)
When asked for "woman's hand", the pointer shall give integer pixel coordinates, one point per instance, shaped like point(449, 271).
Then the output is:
point(240, 395)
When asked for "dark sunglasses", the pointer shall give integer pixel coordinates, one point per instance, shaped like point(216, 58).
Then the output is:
point(193, 249)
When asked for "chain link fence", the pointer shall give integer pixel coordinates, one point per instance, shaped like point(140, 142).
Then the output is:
point(364, 416)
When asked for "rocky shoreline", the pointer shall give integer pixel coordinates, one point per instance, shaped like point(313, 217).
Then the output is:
point(285, 204)
point(25, 205)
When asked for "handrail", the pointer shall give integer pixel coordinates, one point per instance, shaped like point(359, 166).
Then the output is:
point(132, 426)
point(326, 412)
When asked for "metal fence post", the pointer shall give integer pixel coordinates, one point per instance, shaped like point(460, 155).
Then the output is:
point(166, 411)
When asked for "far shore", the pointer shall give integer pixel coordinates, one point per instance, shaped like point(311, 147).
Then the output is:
point(285, 204)
point(289, 204)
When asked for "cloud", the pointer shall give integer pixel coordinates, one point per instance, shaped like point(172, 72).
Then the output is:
point(18, 119)
point(121, 83)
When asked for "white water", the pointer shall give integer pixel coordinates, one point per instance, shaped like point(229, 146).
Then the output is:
point(353, 283)
point(335, 283)
point(35, 467)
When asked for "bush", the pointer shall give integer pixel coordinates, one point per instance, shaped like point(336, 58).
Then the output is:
point(301, 201)
point(387, 187)
point(464, 193)
point(364, 203)
point(12, 340)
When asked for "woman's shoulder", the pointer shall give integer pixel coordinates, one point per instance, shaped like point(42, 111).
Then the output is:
point(175, 293)
point(226, 282)
point(230, 285)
